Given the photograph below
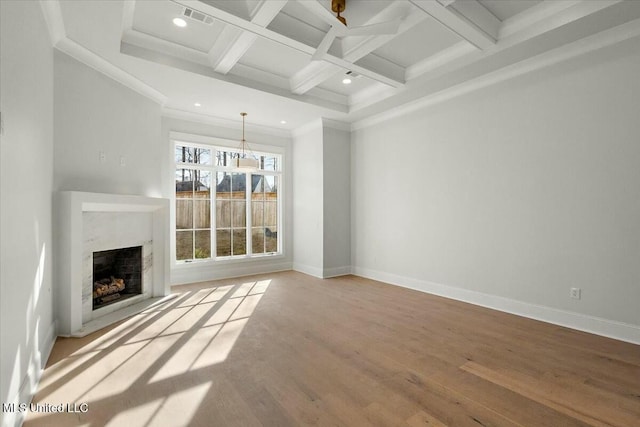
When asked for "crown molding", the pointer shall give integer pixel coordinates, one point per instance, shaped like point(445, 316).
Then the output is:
point(53, 17)
point(566, 52)
point(439, 59)
point(536, 14)
point(319, 124)
point(146, 41)
point(174, 113)
point(336, 124)
point(59, 40)
point(314, 124)
point(91, 59)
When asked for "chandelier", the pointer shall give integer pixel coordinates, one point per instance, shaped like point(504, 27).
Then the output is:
point(246, 160)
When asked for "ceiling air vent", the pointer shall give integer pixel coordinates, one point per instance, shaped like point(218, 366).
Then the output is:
point(198, 16)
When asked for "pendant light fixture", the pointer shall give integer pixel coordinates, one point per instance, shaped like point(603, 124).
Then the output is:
point(247, 159)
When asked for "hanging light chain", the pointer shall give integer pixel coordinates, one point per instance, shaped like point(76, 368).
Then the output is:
point(244, 141)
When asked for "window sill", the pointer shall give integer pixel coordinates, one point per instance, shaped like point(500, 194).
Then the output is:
point(225, 261)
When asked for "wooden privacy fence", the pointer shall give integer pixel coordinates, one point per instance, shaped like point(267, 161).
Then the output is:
point(230, 210)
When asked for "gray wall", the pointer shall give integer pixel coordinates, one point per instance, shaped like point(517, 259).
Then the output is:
point(336, 179)
point(307, 201)
point(94, 113)
point(321, 230)
point(27, 328)
point(520, 190)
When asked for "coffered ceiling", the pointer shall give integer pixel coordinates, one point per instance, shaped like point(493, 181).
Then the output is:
point(286, 60)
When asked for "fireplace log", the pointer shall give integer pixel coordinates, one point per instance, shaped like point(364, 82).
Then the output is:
point(110, 298)
point(104, 287)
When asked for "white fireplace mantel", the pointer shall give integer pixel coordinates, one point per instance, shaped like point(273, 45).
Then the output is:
point(70, 206)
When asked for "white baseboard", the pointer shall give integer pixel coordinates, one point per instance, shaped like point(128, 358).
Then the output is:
point(595, 325)
point(30, 382)
point(195, 274)
point(308, 269)
point(336, 271)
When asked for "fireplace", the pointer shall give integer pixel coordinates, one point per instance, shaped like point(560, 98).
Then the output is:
point(91, 223)
point(117, 275)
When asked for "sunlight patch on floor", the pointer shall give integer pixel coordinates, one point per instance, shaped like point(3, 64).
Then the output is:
point(148, 354)
point(224, 312)
point(219, 348)
point(64, 368)
point(159, 325)
point(217, 294)
point(196, 298)
point(180, 407)
point(189, 320)
point(127, 372)
point(243, 290)
point(116, 334)
point(260, 287)
point(246, 307)
point(136, 416)
point(182, 359)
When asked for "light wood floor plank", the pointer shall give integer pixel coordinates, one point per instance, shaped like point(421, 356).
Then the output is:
point(286, 349)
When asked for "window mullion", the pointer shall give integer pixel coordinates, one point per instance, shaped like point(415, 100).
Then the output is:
point(213, 204)
point(193, 215)
point(249, 236)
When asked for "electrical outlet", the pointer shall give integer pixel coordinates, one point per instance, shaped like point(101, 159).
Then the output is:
point(575, 293)
point(102, 156)
point(123, 161)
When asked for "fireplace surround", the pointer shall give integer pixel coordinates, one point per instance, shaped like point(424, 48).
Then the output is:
point(97, 222)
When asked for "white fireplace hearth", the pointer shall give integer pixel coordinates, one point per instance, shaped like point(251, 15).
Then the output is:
point(88, 223)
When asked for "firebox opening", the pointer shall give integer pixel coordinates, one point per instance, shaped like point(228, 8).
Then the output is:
point(117, 275)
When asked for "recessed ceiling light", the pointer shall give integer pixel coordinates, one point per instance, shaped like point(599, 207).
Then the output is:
point(283, 122)
point(197, 104)
point(346, 81)
point(179, 22)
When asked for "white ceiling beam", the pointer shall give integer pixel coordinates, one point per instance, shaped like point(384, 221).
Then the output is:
point(481, 37)
point(53, 17)
point(358, 47)
point(247, 77)
point(144, 40)
point(312, 75)
point(128, 10)
point(235, 50)
point(541, 18)
point(267, 11)
point(475, 12)
point(264, 13)
point(225, 41)
point(318, 72)
point(548, 16)
point(459, 50)
point(243, 24)
point(383, 65)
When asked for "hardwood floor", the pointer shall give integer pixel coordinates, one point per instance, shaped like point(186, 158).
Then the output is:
point(287, 349)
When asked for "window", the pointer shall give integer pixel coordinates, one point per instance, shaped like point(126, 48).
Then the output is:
point(222, 211)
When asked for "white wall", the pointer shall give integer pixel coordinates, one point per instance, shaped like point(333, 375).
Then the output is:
point(336, 184)
point(189, 273)
point(308, 200)
point(94, 113)
point(514, 193)
point(321, 184)
point(27, 329)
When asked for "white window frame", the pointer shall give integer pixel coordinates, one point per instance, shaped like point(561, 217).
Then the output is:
point(213, 144)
